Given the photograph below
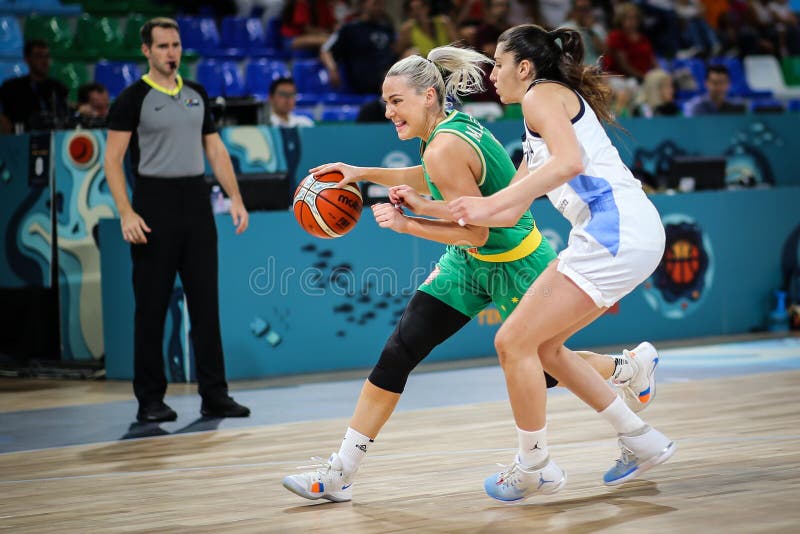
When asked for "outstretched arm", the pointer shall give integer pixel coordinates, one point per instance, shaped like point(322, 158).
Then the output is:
point(388, 177)
point(455, 168)
point(551, 119)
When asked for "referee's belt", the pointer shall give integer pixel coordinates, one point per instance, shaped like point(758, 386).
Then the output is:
point(525, 248)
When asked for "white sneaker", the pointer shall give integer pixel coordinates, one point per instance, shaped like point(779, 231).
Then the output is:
point(516, 483)
point(638, 454)
point(328, 481)
point(640, 390)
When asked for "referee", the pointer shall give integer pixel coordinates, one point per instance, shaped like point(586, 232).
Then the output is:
point(166, 123)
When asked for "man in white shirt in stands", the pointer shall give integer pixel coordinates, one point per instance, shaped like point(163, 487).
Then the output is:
point(282, 100)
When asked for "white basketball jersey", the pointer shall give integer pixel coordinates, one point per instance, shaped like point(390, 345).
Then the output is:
point(604, 173)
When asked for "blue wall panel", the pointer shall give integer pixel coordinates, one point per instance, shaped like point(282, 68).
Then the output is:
point(330, 304)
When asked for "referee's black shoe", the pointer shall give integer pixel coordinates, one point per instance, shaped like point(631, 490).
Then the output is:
point(223, 406)
point(155, 412)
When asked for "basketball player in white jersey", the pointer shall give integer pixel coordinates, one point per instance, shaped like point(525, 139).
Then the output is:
point(616, 242)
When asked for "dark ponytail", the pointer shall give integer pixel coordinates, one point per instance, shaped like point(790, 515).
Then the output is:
point(558, 56)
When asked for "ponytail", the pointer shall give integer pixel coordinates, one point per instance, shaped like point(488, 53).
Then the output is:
point(558, 55)
point(452, 71)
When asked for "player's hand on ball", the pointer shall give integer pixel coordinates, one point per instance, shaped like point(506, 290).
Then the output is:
point(350, 173)
point(405, 195)
point(389, 216)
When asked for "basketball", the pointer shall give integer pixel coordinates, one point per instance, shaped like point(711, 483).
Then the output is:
point(324, 210)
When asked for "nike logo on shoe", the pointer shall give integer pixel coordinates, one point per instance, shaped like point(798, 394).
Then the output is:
point(159, 108)
point(345, 487)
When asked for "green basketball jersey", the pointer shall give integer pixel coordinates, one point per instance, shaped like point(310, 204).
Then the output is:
point(497, 170)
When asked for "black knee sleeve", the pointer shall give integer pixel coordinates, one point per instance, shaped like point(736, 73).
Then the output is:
point(426, 322)
point(551, 382)
point(395, 364)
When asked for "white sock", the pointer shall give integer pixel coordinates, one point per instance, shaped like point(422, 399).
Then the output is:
point(621, 417)
point(532, 446)
point(353, 450)
point(623, 369)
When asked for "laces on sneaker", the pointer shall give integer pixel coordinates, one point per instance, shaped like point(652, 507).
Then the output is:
point(323, 466)
point(509, 474)
point(626, 455)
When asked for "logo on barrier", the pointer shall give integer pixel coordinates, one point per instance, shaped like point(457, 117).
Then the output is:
point(681, 280)
point(82, 149)
point(395, 159)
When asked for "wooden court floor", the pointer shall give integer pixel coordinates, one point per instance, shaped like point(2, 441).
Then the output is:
point(736, 469)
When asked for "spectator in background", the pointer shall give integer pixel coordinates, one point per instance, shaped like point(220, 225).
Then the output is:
point(34, 101)
point(662, 26)
point(788, 25)
point(715, 101)
point(630, 52)
point(630, 56)
point(467, 15)
point(713, 10)
point(696, 34)
point(739, 33)
point(521, 12)
point(93, 105)
point(553, 13)
point(421, 32)
point(308, 23)
point(775, 26)
point(364, 49)
point(657, 96)
point(495, 23)
point(582, 18)
point(282, 101)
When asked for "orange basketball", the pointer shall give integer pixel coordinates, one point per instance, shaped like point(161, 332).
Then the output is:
point(324, 210)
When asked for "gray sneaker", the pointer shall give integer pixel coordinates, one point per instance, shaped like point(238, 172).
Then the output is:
point(327, 481)
point(638, 454)
point(516, 482)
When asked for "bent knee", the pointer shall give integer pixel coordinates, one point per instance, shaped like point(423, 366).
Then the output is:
point(511, 345)
point(550, 354)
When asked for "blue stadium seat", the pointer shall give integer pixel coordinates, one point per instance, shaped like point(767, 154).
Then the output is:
point(794, 105)
point(12, 69)
point(339, 113)
point(274, 41)
point(233, 82)
point(116, 75)
point(347, 99)
point(11, 40)
point(209, 75)
point(310, 76)
point(261, 73)
point(697, 68)
point(246, 34)
point(199, 34)
point(307, 111)
point(739, 85)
